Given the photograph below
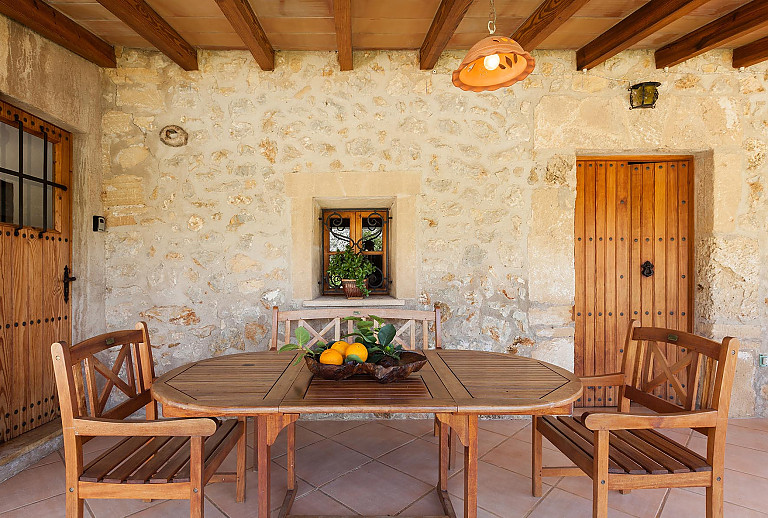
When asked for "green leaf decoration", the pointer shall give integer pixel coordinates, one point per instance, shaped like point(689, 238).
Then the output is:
point(354, 358)
point(377, 319)
point(302, 335)
point(364, 324)
point(289, 347)
point(387, 334)
point(299, 358)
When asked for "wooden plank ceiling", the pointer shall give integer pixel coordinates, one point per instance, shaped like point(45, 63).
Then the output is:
point(597, 29)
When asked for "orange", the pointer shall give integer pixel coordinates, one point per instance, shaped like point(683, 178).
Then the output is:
point(331, 357)
point(358, 350)
point(340, 346)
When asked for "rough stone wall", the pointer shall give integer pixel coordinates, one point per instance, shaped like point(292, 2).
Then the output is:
point(64, 89)
point(199, 236)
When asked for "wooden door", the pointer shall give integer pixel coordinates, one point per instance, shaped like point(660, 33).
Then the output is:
point(629, 212)
point(35, 247)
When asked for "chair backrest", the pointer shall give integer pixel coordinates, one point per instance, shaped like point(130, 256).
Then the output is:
point(79, 373)
point(673, 371)
point(327, 324)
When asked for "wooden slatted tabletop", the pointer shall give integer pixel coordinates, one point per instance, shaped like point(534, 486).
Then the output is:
point(456, 386)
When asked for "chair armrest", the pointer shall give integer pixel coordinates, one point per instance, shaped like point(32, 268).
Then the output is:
point(607, 380)
point(611, 421)
point(99, 426)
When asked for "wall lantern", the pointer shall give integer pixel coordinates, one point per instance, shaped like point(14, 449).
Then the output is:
point(644, 95)
point(493, 62)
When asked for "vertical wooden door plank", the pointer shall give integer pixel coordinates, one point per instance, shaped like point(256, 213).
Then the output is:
point(611, 276)
point(659, 278)
point(636, 191)
point(623, 245)
point(646, 244)
point(600, 277)
point(20, 338)
point(6, 335)
point(52, 289)
point(672, 280)
point(685, 243)
point(35, 309)
point(590, 278)
point(580, 274)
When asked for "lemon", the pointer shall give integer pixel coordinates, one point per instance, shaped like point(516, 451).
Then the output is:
point(357, 349)
point(331, 357)
point(340, 346)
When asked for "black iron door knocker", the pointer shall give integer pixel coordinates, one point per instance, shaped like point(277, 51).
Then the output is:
point(646, 269)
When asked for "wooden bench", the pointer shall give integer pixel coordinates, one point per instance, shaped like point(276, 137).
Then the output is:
point(328, 325)
point(169, 458)
point(624, 450)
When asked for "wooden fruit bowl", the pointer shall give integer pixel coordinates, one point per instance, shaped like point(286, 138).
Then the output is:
point(409, 363)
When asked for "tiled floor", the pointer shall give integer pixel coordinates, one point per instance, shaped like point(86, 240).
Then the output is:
point(390, 468)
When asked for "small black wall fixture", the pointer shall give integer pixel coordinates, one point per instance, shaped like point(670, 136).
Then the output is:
point(644, 95)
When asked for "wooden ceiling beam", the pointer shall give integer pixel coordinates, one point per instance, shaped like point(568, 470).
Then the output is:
point(140, 17)
point(642, 23)
point(550, 15)
point(342, 16)
point(751, 53)
point(449, 15)
point(242, 18)
point(747, 18)
point(55, 26)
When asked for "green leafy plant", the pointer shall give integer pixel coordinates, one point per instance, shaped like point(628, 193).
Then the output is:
point(350, 265)
point(377, 337)
point(303, 338)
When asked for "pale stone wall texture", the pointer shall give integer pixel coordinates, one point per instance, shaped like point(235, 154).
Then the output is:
point(64, 89)
point(199, 240)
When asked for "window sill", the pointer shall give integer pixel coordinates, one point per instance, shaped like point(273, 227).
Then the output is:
point(328, 301)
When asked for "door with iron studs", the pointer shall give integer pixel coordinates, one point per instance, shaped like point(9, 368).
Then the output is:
point(633, 260)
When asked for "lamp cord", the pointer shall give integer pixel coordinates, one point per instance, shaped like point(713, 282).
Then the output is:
point(492, 18)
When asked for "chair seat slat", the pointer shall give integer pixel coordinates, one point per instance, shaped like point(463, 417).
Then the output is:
point(106, 462)
point(627, 464)
point(132, 463)
point(162, 456)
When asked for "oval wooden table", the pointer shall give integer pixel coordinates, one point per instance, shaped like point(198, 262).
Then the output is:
point(457, 386)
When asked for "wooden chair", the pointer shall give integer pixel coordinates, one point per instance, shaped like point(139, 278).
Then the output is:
point(169, 458)
point(327, 324)
point(623, 450)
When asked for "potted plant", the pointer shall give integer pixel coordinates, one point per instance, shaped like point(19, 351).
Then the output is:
point(353, 270)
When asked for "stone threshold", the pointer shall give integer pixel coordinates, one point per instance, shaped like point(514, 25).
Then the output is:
point(28, 448)
point(328, 301)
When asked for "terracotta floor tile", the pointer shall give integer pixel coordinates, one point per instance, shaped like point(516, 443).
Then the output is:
point(53, 458)
point(323, 461)
point(373, 439)
point(417, 427)
point(742, 489)
point(486, 441)
point(559, 503)
point(328, 428)
point(458, 506)
point(738, 458)
point(685, 504)
point(748, 437)
point(230, 462)
point(223, 494)
point(318, 503)
point(53, 507)
point(117, 507)
point(428, 505)
point(644, 503)
point(756, 423)
point(515, 455)
point(500, 491)
point(419, 459)
point(304, 437)
point(176, 509)
point(31, 485)
point(525, 435)
point(100, 443)
point(506, 427)
point(376, 489)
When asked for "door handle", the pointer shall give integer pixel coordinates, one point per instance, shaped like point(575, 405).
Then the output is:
point(646, 269)
point(67, 279)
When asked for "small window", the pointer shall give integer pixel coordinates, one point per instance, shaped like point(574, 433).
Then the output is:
point(26, 176)
point(368, 232)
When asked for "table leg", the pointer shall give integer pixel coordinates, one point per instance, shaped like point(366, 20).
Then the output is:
point(445, 453)
point(264, 461)
point(536, 454)
point(470, 468)
point(291, 455)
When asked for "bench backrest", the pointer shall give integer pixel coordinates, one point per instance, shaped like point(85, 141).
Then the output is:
point(79, 373)
point(673, 371)
point(328, 324)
